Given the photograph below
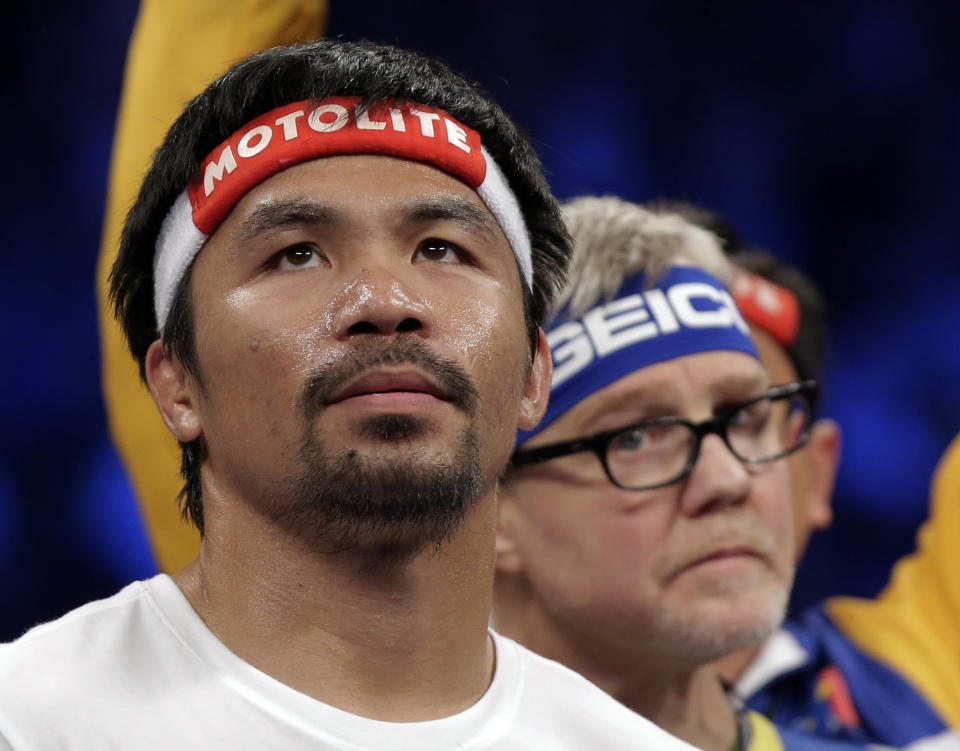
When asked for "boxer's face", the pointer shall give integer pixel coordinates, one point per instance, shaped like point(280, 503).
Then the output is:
point(360, 318)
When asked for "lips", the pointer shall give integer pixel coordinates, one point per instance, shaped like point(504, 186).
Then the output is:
point(380, 382)
point(724, 553)
point(401, 374)
point(717, 554)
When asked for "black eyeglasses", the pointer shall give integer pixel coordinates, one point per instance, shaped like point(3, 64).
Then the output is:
point(655, 453)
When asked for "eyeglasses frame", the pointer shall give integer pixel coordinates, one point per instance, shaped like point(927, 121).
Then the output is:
point(598, 443)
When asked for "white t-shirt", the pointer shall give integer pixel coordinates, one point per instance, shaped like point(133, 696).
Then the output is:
point(140, 670)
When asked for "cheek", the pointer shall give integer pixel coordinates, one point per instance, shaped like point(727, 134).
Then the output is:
point(572, 535)
point(472, 324)
point(248, 351)
point(489, 339)
point(798, 470)
point(484, 330)
point(773, 494)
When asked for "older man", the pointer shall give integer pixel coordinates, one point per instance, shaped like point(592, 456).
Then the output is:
point(333, 280)
point(879, 671)
point(645, 526)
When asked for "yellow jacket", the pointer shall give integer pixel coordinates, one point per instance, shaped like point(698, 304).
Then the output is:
point(177, 48)
point(913, 626)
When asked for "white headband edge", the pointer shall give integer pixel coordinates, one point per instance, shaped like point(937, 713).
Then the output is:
point(502, 203)
point(177, 245)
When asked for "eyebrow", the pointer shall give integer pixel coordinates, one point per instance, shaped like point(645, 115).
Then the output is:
point(286, 213)
point(451, 208)
point(644, 401)
point(649, 397)
point(733, 387)
point(283, 213)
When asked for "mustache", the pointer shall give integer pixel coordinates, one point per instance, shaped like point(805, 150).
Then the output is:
point(327, 380)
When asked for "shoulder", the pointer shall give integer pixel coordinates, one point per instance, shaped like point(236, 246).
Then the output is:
point(76, 626)
point(802, 649)
point(768, 737)
point(553, 696)
point(71, 656)
point(834, 690)
point(912, 625)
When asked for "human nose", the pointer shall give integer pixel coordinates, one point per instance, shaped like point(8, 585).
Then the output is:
point(718, 479)
point(378, 302)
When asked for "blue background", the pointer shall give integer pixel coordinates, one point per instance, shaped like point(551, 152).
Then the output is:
point(828, 133)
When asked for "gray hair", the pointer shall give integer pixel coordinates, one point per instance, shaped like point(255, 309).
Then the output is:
point(613, 238)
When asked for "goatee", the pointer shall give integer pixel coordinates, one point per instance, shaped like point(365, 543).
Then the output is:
point(397, 503)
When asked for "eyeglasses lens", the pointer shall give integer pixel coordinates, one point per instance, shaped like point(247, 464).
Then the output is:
point(769, 428)
point(651, 455)
point(760, 431)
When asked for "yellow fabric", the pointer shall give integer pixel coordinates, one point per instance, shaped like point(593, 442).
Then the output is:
point(913, 626)
point(178, 46)
point(764, 736)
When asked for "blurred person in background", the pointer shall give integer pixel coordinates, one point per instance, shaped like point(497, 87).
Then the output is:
point(885, 670)
point(646, 526)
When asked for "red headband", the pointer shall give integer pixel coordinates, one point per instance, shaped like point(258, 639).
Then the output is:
point(305, 130)
point(767, 305)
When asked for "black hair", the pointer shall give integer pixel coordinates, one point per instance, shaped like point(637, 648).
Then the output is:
point(313, 71)
point(808, 351)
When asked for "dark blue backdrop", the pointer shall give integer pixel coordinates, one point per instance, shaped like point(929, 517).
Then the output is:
point(828, 133)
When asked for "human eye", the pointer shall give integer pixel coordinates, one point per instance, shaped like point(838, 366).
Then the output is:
point(631, 439)
point(650, 443)
point(753, 417)
point(440, 251)
point(297, 257)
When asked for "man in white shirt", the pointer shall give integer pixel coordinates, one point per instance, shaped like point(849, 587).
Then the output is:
point(333, 280)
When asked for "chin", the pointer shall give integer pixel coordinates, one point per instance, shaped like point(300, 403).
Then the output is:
point(714, 627)
point(397, 501)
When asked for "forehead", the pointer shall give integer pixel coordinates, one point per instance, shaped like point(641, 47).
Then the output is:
point(774, 357)
point(363, 187)
point(691, 386)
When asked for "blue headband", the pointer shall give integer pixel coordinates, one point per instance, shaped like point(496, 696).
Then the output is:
point(685, 312)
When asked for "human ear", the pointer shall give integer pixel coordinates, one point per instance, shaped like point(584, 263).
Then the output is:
point(174, 392)
point(533, 404)
point(822, 462)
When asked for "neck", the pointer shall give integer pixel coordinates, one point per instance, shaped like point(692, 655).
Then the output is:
point(732, 666)
point(390, 637)
point(691, 705)
point(685, 700)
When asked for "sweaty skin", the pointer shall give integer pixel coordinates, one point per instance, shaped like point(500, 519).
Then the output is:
point(176, 49)
point(411, 621)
